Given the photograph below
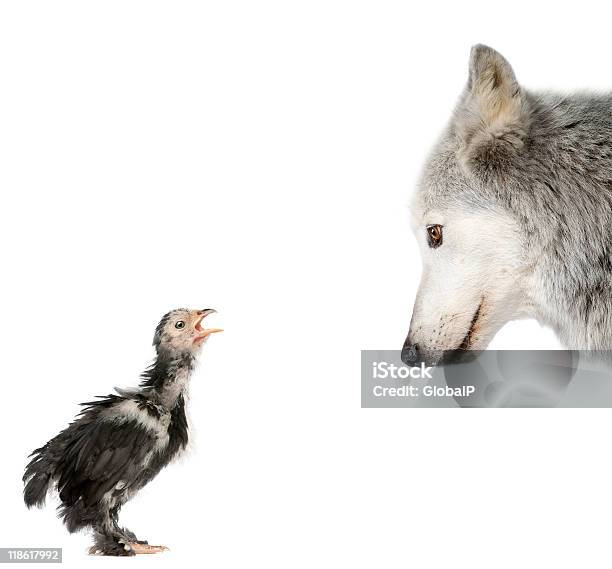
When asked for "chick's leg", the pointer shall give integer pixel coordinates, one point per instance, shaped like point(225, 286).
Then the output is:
point(111, 539)
point(129, 536)
point(108, 541)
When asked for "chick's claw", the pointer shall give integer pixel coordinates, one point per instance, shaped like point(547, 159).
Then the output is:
point(140, 548)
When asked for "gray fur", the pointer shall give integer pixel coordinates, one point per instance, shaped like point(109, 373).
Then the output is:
point(544, 159)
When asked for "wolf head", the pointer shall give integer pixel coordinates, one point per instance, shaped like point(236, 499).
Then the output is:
point(512, 216)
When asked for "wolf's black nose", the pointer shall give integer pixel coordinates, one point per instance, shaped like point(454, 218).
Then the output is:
point(411, 354)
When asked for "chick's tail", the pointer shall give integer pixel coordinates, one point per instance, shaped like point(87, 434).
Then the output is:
point(38, 477)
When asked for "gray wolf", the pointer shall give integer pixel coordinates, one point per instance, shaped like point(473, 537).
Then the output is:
point(513, 216)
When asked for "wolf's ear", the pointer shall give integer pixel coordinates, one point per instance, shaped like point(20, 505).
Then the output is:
point(492, 118)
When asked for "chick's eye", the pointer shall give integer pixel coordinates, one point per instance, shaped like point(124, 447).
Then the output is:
point(180, 324)
point(434, 235)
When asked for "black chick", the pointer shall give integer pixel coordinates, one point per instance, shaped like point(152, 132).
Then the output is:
point(119, 443)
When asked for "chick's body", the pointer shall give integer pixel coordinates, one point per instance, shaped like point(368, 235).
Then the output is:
point(119, 443)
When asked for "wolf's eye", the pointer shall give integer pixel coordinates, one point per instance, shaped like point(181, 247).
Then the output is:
point(180, 324)
point(434, 235)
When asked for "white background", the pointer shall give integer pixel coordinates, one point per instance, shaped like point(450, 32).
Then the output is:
point(258, 158)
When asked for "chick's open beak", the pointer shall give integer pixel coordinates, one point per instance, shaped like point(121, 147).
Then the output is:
point(204, 332)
